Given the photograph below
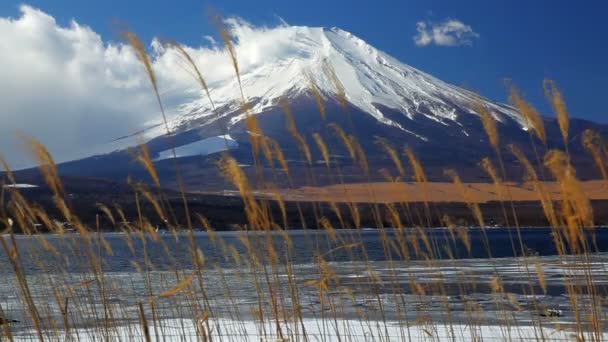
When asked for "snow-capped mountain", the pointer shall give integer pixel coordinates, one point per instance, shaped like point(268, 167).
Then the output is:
point(338, 64)
point(364, 91)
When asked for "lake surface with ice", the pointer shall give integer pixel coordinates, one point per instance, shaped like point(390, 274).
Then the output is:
point(375, 290)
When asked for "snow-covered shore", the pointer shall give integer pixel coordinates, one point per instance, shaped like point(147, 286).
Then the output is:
point(314, 330)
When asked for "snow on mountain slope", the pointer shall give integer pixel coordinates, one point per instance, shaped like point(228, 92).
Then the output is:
point(369, 78)
point(200, 148)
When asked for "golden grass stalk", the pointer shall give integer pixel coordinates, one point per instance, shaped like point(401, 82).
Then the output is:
point(593, 143)
point(7, 170)
point(155, 203)
point(488, 167)
point(278, 199)
point(419, 174)
point(392, 153)
point(386, 174)
point(278, 154)
point(143, 57)
point(420, 177)
point(345, 140)
point(198, 75)
point(140, 52)
point(533, 119)
point(144, 159)
point(525, 162)
point(541, 277)
point(104, 209)
point(554, 96)
point(267, 150)
point(316, 95)
point(231, 50)
point(291, 126)
point(322, 147)
point(231, 170)
point(255, 131)
point(531, 175)
point(201, 81)
point(361, 155)
point(177, 288)
point(456, 231)
point(329, 228)
point(489, 124)
point(144, 323)
point(473, 206)
point(393, 216)
point(333, 77)
point(572, 191)
point(257, 257)
point(497, 285)
point(47, 165)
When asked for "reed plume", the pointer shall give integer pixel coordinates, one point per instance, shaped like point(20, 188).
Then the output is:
point(322, 147)
point(7, 170)
point(531, 116)
point(225, 34)
point(316, 95)
point(593, 143)
point(392, 153)
point(144, 158)
point(278, 154)
point(572, 191)
point(416, 165)
point(489, 124)
point(473, 206)
point(140, 52)
point(345, 139)
point(333, 77)
point(201, 81)
point(255, 131)
point(531, 175)
point(291, 127)
point(487, 165)
point(554, 96)
point(46, 164)
point(541, 277)
point(177, 288)
point(360, 152)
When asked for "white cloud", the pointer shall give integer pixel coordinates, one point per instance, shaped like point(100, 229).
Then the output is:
point(451, 32)
point(65, 87)
point(76, 93)
point(210, 39)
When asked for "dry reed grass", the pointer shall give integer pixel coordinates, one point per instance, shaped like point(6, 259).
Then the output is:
point(201, 283)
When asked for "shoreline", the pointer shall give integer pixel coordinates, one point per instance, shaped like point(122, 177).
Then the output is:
point(305, 206)
point(311, 329)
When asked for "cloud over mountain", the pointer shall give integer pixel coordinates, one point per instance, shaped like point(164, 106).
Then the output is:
point(77, 94)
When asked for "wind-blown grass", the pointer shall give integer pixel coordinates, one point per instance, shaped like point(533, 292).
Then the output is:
point(191, 291)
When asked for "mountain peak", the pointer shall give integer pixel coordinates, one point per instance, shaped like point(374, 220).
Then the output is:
point(335, 59)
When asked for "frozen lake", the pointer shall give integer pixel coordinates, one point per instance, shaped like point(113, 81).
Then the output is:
point(364, 280)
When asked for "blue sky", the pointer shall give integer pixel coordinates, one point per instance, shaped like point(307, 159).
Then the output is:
point(522, 40)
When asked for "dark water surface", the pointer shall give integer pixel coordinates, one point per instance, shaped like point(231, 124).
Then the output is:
point(173, 250)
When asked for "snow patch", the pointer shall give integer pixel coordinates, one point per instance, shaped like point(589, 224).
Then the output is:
point(201, 148)
point(19, 186)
